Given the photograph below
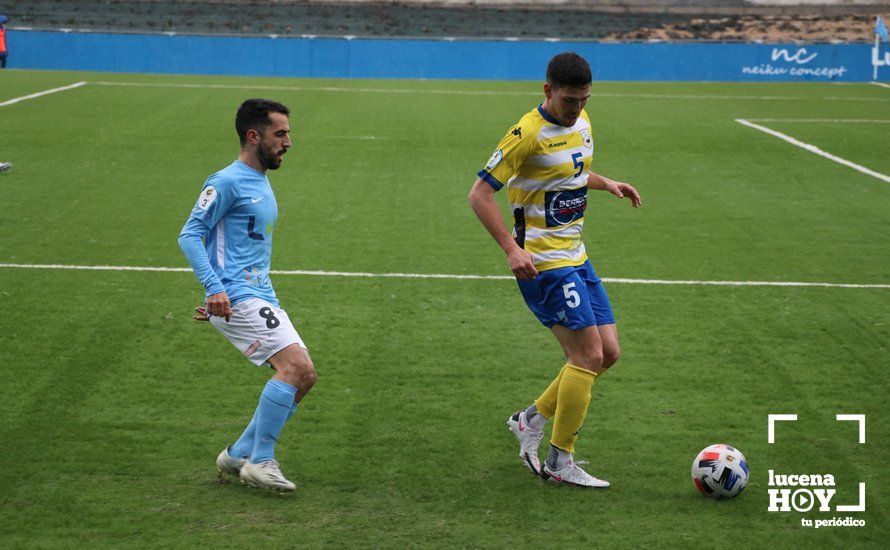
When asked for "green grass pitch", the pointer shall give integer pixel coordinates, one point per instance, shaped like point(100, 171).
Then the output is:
point(115, 403)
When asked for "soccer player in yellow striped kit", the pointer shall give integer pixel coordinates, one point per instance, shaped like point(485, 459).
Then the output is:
point(544, 161)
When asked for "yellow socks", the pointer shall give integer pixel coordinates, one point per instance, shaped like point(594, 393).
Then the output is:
point(566, 400)
point(546, 404)
point(573, 387)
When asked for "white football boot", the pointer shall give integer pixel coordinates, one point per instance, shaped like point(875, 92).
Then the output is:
point(572, 475)
point(529, 441)
point(226, 464)
point(5, 166)
point(266, 475)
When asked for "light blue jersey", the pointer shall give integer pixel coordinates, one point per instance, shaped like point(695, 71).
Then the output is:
point(234, 217)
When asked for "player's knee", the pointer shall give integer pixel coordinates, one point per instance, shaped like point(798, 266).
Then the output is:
point(591, 360)
point(299, 372)
point(305, 371)
point(306, 374)
point(610, 357)
point(309, 378)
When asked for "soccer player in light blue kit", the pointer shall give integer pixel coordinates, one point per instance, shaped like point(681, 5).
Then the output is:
point(228, 242)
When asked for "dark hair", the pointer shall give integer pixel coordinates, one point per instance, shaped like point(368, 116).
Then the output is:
point(253, 114)
point(568, 69)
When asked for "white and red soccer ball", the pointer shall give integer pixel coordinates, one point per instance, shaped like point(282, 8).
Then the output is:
point(720, 471)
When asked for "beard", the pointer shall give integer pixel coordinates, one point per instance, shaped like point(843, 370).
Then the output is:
point(269, 159)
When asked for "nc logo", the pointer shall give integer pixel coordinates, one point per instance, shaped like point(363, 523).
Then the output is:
point(800, 56)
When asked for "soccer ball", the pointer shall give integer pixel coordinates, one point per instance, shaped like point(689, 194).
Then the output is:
point(720, 471)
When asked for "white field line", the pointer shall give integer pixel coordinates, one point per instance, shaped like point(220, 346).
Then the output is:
point(816, 150)
point(881, 84)
point(355, 274)
point(44, 92)
point(359, 138)
point(839, 120)
point(309, 88)
point(462, 92)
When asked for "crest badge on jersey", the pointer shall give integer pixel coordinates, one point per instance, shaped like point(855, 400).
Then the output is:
point(494, 160)
point(208, 195)
point(588, 141)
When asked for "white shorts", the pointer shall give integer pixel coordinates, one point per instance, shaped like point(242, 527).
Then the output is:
point(258, 329)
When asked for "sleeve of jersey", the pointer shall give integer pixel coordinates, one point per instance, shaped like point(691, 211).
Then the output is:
point(213, 203)
point(513, 150)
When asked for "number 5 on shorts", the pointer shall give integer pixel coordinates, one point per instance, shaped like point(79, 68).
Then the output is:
point(572, 297)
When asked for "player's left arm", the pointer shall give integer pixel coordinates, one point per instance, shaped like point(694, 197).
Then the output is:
point(617, 188)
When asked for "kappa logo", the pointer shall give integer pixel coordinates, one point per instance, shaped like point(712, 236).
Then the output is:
point(517, 132)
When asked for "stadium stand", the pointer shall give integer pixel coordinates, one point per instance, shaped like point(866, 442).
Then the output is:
point(724, 20)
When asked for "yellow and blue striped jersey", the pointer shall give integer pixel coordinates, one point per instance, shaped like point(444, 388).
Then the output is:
point(544, 166)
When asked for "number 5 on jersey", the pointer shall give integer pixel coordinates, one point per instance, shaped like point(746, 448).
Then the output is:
point(572, 297)
point(578, 163)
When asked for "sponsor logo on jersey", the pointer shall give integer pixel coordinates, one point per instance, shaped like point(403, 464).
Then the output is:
point(557, 144)
point(208, 195)
point(562, 207)
point(494, 160)
point(256, 278)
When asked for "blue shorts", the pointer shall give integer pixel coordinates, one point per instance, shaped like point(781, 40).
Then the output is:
point(573, 297)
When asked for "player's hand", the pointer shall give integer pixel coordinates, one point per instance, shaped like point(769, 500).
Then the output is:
point(202, 314)
point(621, 190)
point(522, 264)
point(218, 305)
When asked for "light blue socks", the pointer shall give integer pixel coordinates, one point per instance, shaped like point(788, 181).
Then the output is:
point(275, 408)
point(244, 446)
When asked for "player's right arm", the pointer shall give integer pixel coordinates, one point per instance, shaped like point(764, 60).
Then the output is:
point(213, 203)
point(482, 201)
point(511, 153)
